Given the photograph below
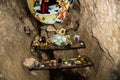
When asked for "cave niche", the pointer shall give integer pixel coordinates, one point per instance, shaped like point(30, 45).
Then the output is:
point(95, 21)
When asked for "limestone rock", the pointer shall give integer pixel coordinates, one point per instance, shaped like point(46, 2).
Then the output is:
point(29, 62)
point(51, 34)
point(44, 27)
point(44, 33)
point(51, 28)
point(58, 26)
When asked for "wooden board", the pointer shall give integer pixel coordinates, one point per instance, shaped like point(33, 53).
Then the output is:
point(79, 45)
point(73, 46)
point(87, 63)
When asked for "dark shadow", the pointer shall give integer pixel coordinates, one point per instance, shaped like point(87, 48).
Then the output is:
point(55, 74)
point(115, 73)
point(65, 75)
point(76, 26)
point(52, 2)
point(70, 75)
point(39, 28)
point(50, 54)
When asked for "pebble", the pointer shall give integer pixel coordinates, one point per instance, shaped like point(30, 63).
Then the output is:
point(44, 33)
point(82, 43)
point(29, 62)
point(51, 28)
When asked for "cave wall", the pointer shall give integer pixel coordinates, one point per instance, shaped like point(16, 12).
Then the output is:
point(14, 44)
point(97, 23)
point(100, 20)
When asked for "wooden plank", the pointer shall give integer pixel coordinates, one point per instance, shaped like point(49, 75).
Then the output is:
point(88, 63)
point(64, 67)
point(79, 45)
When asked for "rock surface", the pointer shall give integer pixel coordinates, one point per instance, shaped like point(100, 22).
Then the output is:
point(51, 28)
point(97, 23)
point(29, 62)
point(101, 20)
point(14, 44)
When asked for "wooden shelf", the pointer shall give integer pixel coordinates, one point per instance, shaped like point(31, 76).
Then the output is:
point(78, 45)
point(84, 63)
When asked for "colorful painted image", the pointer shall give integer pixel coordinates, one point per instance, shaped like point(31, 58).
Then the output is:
point(50, 11)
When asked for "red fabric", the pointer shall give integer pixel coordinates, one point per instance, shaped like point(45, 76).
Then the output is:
point(44, 7)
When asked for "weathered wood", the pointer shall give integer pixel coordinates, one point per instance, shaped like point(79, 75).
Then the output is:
point(87, 63)
point(64, 67)
point(79, 45)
